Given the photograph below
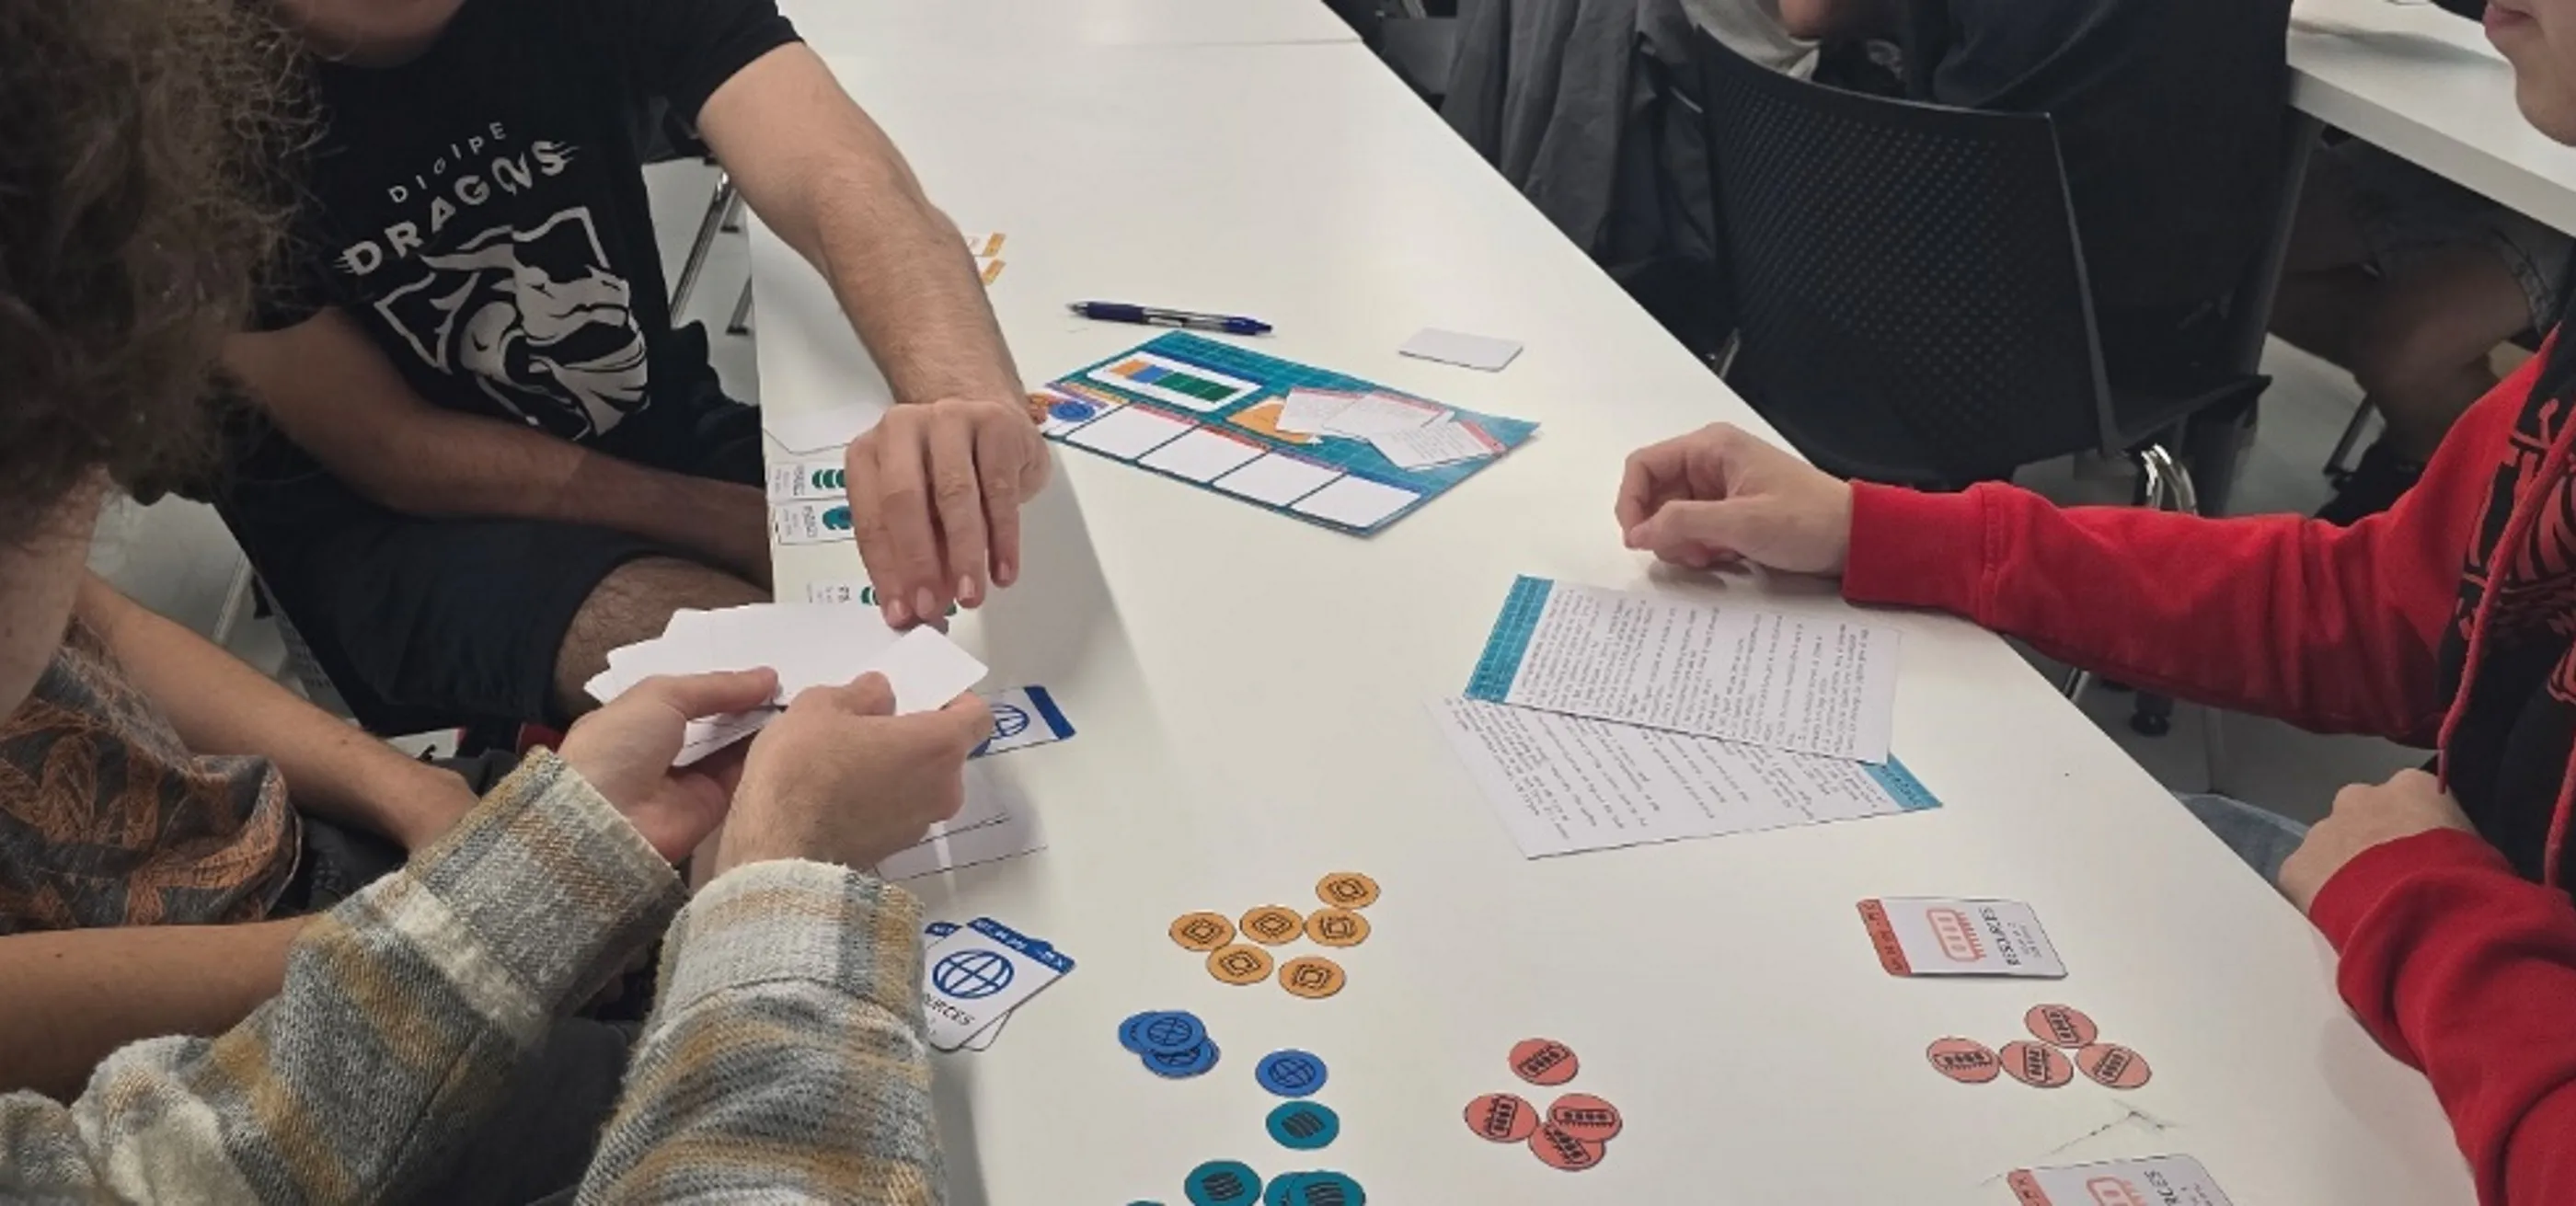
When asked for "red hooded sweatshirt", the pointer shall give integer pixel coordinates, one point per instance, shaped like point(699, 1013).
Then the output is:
point(2445, 622)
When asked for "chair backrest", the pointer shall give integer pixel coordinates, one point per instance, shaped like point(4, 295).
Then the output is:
point(1905, 262)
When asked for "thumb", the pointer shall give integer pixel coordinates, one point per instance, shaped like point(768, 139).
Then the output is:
point(699, 695)
point(970, 718)
point(868, 695)
point(1683, 527)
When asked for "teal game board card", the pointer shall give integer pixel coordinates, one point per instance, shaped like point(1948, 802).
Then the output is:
point(1325, 448)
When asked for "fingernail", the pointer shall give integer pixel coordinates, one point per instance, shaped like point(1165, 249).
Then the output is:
point(1005, 574)
point(928, 602)
point(896, 613)
point(966, 591)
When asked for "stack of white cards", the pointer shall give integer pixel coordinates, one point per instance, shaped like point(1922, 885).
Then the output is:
point(818, 645)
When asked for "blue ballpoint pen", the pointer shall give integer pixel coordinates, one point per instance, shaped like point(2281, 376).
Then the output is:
point(1153, 317)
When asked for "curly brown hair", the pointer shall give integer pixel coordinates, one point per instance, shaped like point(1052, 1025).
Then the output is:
point(135, 138)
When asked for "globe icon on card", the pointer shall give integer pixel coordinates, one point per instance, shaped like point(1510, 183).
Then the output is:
point(972, 975)
point(1009, 720)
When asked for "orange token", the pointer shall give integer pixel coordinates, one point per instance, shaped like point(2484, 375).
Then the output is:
point(1556, 1149)
point(1239, 964)
point(2060, 1026)
point(1313, 977)
point(1271, 925)
point(2113, 1066)
point(1964, 1060)
point(1544, 1061)
point(1585, 1117)
point(1203, 931)
point(2036, 1064)
point(1337, 927)
point(1347, 890)
point(1502, 1118)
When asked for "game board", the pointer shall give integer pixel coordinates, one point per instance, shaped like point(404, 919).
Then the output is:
point(1209, 413)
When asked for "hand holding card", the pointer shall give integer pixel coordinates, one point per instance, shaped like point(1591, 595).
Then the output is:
point(840, 778)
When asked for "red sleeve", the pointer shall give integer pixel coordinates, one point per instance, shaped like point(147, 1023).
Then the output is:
point(2333, 629)
point(2468, 971)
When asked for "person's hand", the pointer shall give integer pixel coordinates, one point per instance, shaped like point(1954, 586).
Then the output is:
point(935, 494)
point(1720, 495)
point(841, 779)
point(2411, 802)
point(625, 749)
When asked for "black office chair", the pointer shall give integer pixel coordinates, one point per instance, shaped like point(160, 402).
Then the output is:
point(1910, 289)
point(1911, 297)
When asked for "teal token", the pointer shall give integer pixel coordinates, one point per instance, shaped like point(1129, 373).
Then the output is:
point(1223, 1183)
point(1304, 1125)
point(1326, 1189)
point(1285, 1185)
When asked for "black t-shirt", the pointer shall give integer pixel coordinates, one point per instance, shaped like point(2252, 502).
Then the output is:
point(482, 211)
point(2169, 115)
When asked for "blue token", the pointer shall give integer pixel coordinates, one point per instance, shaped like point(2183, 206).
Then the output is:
point(1326, 1189)
point(1131, 1033)
point(1304, 1125)
point(1223, 1183)
point(1290, 1073)
point(1180, 1065)
point(1170, 1034)
point(1280, 1187)
point(1071, 411)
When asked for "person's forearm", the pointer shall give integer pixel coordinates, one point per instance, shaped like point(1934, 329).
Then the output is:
point(829, 182)
point(74, 997)
point(786, 1056)
point(220, 706)
point(329, 388)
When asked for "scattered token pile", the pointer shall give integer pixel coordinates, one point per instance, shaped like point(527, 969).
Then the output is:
point(1233, 1183)
point(1311, 976)
point(2043, 1064)
point(1575, 1132)
point(1171, 1044)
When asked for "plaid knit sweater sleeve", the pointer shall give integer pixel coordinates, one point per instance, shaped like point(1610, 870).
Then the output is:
point(786, 1059)
point(786, 1055)
point(403, 1010)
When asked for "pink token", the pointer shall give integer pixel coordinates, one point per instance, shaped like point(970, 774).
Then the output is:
point(1585, 1117)
point(1964, 1060)
point(2060, 1026)
point(2036, 1064)
point(1502, 1118)
point(2113, 1066)
point(1544, 1061)
point(1556, 1149)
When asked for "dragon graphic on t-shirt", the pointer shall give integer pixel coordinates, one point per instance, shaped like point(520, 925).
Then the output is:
point(536, 318)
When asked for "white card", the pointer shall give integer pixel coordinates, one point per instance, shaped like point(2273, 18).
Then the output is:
point(1454, 347)
point(978, 975)
point(948, 848)
point(2154, 1181)
point(1355, 501)
point(1023, 717)
point(1440, 443)
point(810, 522)
point(983, 1039)
point(1201, 456)
point(1130, 432)
point(1939, 936)
point(796, 481)
point(1307, 410)
point(1277, 480)
point(827, 430)
point(1382, 414)
point(927, 670)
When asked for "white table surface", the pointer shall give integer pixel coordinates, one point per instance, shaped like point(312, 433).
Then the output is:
point(960, 27)
point(1250, 691)
point(2426, 85)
